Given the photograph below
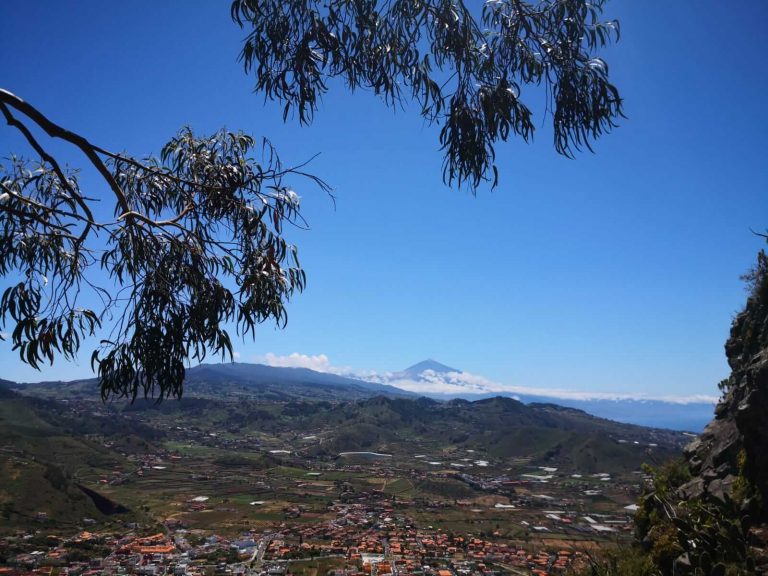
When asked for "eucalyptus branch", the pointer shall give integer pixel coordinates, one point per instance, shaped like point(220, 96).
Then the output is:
point(56, 131)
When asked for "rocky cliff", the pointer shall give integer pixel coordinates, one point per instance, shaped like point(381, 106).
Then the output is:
point(708, 513)
point(731, 456)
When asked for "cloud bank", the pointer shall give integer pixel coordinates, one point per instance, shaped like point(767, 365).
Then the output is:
point(431, 382)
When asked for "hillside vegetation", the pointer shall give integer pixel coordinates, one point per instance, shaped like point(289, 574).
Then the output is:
point(60, 439)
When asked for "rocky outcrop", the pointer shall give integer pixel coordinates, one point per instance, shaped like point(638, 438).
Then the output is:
point(711, 516)
point(731, 456)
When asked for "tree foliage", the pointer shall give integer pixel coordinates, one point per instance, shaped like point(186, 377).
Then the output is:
point(196, 239)
point(195, 243)
point(466, 72)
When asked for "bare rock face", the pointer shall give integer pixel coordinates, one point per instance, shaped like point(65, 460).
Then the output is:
point(731, 456)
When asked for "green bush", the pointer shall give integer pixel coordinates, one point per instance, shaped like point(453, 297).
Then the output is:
point(626, 561)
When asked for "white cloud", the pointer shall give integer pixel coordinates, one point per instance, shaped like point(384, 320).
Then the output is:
point(462, 383)
point(317, 362)
point(431, 382)
point(236, 355)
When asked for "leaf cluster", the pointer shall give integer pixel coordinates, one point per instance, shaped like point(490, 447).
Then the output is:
point(466, 71)
point(41, 239)
point(756, 278)
point(229, 217)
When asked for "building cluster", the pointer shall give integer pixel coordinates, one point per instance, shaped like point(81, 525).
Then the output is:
point(377, 540)
point(360, 540)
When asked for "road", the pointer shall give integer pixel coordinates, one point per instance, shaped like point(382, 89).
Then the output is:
point(388, 556)
point(261, 549)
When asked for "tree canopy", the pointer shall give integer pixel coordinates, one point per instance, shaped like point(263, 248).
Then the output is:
point(467, 72)
point(196, 246)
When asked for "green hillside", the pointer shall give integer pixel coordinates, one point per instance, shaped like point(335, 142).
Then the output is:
point(154, 457)
point(44, 460)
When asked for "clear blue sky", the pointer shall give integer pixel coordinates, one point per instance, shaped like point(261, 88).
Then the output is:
point(617, 272)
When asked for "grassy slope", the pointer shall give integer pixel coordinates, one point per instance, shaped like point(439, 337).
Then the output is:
point(40, 465)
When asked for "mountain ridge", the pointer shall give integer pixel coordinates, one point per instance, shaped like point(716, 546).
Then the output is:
point(689, 416)
point(238, 379)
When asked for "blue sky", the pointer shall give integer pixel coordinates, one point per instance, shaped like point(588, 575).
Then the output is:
point(615, 272)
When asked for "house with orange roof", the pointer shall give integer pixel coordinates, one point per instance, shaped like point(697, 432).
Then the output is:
point(159, 549)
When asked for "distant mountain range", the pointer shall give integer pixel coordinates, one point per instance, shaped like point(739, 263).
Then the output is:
point(430, 376)
point(690, 417)
point(232, 380)
point(496, 427)
point(427, 378)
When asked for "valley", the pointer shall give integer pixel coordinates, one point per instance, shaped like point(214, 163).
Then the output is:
point(370, 484)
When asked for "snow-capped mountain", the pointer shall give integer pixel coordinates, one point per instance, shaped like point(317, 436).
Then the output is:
point(436, 380)
point(432, 378)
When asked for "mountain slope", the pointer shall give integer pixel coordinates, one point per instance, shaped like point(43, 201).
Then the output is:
point(497, 427)
point(42, 454)
point(237, 380)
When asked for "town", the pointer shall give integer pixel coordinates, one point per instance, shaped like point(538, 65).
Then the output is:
point(362, 539)
point(355, 517)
